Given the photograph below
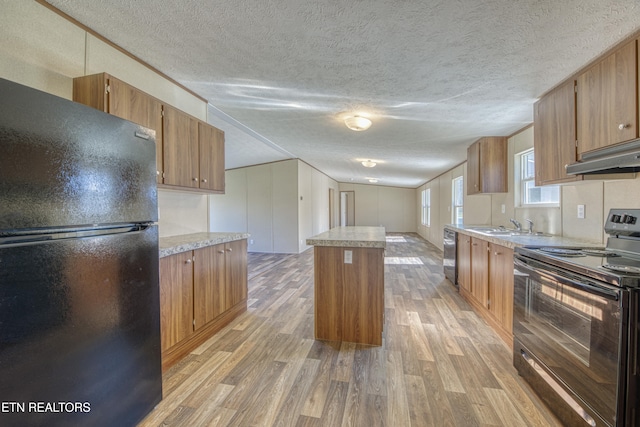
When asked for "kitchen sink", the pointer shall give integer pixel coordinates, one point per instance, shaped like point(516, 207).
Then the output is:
point(497, 231)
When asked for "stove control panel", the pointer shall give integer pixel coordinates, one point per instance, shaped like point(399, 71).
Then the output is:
point(623, 222)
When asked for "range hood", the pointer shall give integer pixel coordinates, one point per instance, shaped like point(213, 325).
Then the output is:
point(623, 158)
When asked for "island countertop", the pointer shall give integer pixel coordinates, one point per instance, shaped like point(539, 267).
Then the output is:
point(186, 242)
point(351, 237)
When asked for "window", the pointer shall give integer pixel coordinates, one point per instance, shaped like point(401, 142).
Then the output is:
point(457, 196)
point(529, 194)
point(426, 207)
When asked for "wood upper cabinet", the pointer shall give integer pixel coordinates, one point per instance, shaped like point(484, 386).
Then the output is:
point(189, 152)
point(106, 93)
point(487, 166)
point(211, 153)
point(501, 285)
point(607, 100)
point(554, 135)
point(479, 271)
point(463, 261)
point(181, 164)
point(176, 299)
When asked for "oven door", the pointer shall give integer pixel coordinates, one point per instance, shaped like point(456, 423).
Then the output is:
point(568, 330)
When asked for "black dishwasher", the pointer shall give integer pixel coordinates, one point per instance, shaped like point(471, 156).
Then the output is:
point(449, 258)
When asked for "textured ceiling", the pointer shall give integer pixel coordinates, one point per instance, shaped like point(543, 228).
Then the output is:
point(433, 75)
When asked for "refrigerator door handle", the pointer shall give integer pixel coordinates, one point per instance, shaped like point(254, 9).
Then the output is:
point(75, 233)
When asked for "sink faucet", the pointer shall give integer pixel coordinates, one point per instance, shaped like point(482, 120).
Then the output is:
point(516, 224)
point(530, 225)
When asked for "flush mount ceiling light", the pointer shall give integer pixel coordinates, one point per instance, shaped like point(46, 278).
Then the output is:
point(373, 180)
point(357, 123)
point(368, 164)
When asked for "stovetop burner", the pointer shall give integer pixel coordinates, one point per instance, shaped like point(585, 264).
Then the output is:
point(563, 251)
point(626, 269)
point(600, 252)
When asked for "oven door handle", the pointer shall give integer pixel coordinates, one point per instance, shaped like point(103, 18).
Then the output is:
point(611, 294)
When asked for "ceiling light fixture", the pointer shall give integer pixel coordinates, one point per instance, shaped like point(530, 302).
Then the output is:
point(357, 123)
point(368, 164)
point(373, 180)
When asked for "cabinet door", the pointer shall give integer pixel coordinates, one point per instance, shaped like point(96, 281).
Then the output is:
point(501, 285)
point(479, 271)
point(236, 271)
point(208, 284)
point(176, 299)
point(463, 261)
point(473, 169)
point(607, 100)
point(180, 133)
point(211, 142)
point(131, 104)
point(554, 134)
point(493, 164)
point(92, 91)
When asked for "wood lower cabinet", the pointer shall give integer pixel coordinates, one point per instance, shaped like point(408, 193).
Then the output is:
point(479, 271)
point(201, 291)
point(501, 285)
point(487, 166)
point(176, 299)
point(490, 287)
point(349, 294)
point(554, 135)
point(463, 261)
point(607, 100)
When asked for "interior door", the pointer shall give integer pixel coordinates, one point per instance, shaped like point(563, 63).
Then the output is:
point(347, 208)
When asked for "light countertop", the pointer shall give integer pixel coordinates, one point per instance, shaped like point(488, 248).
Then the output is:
point(522, 239)
point(186, 242)
point(351, 237)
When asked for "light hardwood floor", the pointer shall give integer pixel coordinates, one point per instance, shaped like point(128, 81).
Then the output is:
point(439, 365)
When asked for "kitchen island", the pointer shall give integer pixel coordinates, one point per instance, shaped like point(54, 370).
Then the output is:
point(349, 284)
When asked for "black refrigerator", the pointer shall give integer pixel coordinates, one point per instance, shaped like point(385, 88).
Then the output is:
point(79, 296)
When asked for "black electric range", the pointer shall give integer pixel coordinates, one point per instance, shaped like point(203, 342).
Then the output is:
point(576, 325)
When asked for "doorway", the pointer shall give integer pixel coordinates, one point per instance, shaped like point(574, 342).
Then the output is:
point(347, 208)
point(332, 220)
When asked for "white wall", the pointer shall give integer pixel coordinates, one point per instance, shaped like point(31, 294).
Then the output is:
point(280, 204)
point(391, 207)
point(42, 50)
point(313, 203)
point(598, 196)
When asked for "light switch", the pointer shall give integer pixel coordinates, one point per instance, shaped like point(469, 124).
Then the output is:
point(503, 208)
point(348, 257)
point(580, 211)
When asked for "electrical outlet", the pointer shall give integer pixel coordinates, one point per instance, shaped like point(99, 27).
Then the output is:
point(580, 211)
point(251, 242)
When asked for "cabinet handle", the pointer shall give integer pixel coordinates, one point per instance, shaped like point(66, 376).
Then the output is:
point(230, 250)
point(623, 126)
point(220, 252)
point(188, 261)
point(195, 179)
point(497, 253)
point(474, 244)
point(204, 180)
